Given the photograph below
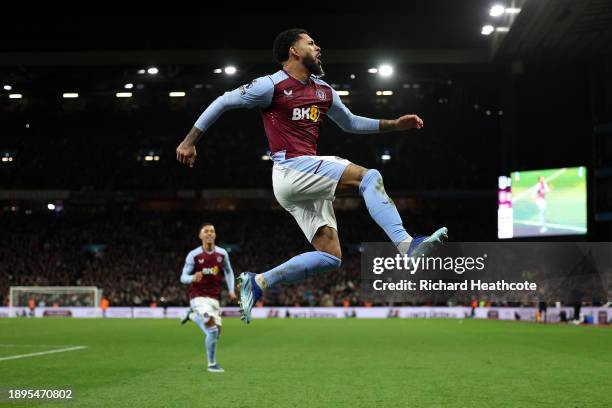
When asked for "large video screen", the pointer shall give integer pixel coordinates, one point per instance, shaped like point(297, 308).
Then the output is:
point(542, 203)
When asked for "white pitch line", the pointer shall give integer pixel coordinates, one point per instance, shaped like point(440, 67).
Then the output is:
point(42, 353)
point(559, 226)
point(547, 179)
point(37, 345)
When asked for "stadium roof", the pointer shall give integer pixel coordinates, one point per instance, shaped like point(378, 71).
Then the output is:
point(448, 30)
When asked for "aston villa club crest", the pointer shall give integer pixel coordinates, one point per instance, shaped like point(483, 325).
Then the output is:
point(320, 94)
point(219, 259)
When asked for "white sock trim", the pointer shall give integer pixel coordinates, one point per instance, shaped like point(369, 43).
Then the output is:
point(260, 281)
point(403, 246)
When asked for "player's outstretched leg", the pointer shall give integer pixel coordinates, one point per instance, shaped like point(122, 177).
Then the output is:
point(212, 335)
point(383, 211)
point(296, 269)
point(211, 331)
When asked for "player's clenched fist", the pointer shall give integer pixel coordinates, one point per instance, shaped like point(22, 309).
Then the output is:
point(409, 122)
point(186, 154)
point(198, 276)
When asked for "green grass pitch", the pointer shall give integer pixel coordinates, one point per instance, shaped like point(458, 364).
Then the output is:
point(312, 363)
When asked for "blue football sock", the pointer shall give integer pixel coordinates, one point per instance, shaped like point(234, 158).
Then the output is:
point(212, 334)
point(301, 267)
point(381, 207)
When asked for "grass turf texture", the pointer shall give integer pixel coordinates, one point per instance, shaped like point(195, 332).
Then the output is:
point(319, 362)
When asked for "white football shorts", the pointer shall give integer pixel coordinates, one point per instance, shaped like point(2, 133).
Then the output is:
point(306, 186)
point(207, 307)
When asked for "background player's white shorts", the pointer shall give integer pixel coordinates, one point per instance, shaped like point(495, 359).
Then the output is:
point(305, 186)
point(541, 203)
point(207, 308)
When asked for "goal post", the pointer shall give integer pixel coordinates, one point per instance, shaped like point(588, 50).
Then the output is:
point(63, 296)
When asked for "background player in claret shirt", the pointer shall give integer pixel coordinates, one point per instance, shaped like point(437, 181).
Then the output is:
point(293, 103)
point(202, 272)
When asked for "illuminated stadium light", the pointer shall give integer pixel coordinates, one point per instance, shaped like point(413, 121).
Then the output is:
point(488, 112)
point(486, 30)
point(512, 10)
point(230, 70)
point(497, 10)
point(128, 86)
point(502, 29)
point(385, 70)
point(70, 95)
point(7, 157)
point(352, 76)
point(148, 158)
point(7, 87)
point(218, 71)
point(384, 93)
point(385, 157)
point(373, 70)
point(500, 112)
point(15, 96)
point(123, 94)
point(176, 94)
point(343, 93)
point(152, 71)
point(51, 206)
point(265, 157)
point(156, 158)
point(141, 71)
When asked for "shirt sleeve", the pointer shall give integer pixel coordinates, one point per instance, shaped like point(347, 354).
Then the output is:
point(348, 122)
point(188, 268)
point(257, 93)
point(229, 273)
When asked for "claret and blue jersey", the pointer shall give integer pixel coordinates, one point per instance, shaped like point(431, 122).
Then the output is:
point(210, 263)
point(292, 112)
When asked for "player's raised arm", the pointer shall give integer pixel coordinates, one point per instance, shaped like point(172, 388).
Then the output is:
point(349, 122)
point(257, 93)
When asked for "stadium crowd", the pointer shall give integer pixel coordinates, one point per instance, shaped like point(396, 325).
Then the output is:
point(136, 256)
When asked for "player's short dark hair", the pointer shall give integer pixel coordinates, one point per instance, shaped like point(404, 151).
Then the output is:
point(205, 224)
point(284, 41)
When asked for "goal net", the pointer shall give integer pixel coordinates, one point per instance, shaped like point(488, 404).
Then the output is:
point(48, 296)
